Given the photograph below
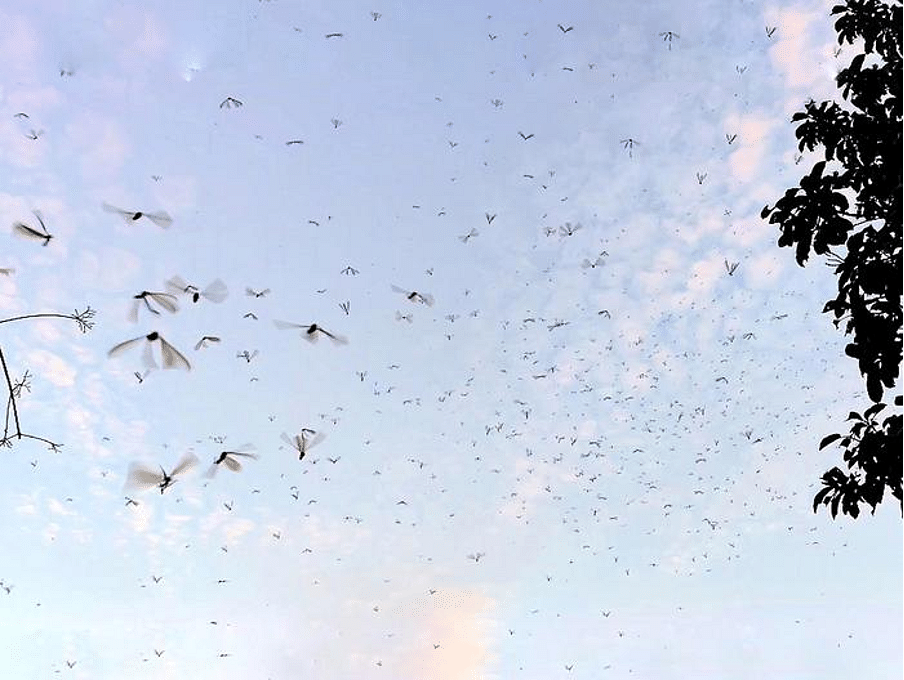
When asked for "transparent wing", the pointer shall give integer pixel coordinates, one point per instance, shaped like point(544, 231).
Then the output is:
point(133, 311)
point(216, 292)
point(176, 285)
point(211, 471)
point(142, 476)
point(116, 350)
point(397, 289)
point(165, 300)
point(124, 214)
point(313, 440)
point(293, 441)
point(161, 218)
point(232, 464)
point(285, 325)
point(426, 298)
point(28, 232)
point(172, 358)
point(147, 356)
point(189, 460)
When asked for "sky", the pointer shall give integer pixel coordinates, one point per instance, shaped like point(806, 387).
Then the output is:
point(592, 456)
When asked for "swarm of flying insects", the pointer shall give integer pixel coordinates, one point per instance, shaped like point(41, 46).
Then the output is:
point(161, 218)
point(143, 477)
point(414, 296)
point(312, 332)
point(22, 229)
point(304, 441)
point(151, 300)
point(230, 460)
point(170, 356)
point(216, 292)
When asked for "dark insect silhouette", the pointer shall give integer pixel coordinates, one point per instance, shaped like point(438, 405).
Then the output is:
point(730, 138)
point(229, 459)
point(246, 355)
point(669, 36)
point(304, 441)
point(350, 271)
point(414, 296)
point(144, 477)
point(333, 35)
point(151, 298)
point(701, 177)
point(294, 141)
point(464, 238)
point(216, 292)
point(730, 267)
point(205, 341)
point(565, 30)
point(231, 102)
point(250, 292)
point(629, 143)
point(171, 357)
point(770, 31)
point(375, 15)
point(312, 332)
point(26, 231)
point(524, 136)
point(490, 217)
point(161, 218)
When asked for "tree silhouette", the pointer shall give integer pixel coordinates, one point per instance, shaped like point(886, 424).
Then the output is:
point(12, 428)
point(852, 200)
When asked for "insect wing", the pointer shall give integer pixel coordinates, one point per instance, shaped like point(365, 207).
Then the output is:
point(142, 476)
point(404, 292)
point(165, 300)
point(124, 214)
point(161, 218)
point(116, 350)
point(426, 298)
point(172, 357)
point(232, 464)
point(312, 441)
point(285, 325)
point(216, 292)
point(294, 442)
point(187, 463)
point(28, 232)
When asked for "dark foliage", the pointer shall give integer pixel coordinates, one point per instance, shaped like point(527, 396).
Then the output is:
point(852, 200)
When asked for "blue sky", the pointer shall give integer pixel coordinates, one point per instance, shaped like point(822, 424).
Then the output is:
point(626, 451)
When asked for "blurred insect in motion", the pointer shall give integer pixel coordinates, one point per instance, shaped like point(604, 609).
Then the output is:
point(565, 30)
point(231, 102)
point(770, 30)
point(161, 218)
point(403, 317)
point(569, 229)
point(312, 332)
point(246, 355)
point(26, 231)
point(701, 177)
point(171, 357)
point(304, 441)
point(345, 306)
point(350, 271)
point(593, 264)
point(730, 267)
point(414, 296)
point(216, 292)
point(6, 271)
point(250, 292)
point(629, 144)
point(141, 376)
point(205, 341)
point(228, 458)
point(669, 36)
point(143, 477)
point(464, 238)
point(164, 300)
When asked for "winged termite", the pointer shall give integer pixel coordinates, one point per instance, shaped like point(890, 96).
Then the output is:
point(161, 218)
point(229, 459)
point(205, 341)
point(303, 441)
point(170, 356)
point(143, 477)
point(164, 300)
point(216, 292)
point(414, 296)
point(312, 332)
point(250, 292)
point(32, 233)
